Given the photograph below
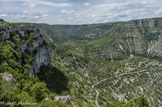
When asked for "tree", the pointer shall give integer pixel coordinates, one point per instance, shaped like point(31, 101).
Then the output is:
point(38, 91)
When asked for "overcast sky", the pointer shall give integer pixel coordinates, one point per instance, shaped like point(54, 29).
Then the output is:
point(78, 11)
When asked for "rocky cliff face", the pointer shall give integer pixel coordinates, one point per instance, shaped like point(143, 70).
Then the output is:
point(29, 41)
point(41, 58)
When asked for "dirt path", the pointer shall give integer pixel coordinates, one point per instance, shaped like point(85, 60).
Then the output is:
point(105, 79)
point(119, 75)
point(96, 99)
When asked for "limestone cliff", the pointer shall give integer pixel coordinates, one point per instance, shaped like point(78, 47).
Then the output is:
point(27, 39)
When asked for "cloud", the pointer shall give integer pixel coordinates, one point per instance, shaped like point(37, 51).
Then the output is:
point(67, 11)
point(47, 3)
point(3, 15)
point(33, 3)
point(158, 12)
point(110, 11)
point(93, 16)
point(31, 16)
point(29, 4)
point(96, 11)
point(86, 4)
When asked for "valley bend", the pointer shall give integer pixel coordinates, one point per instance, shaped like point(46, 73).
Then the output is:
point(80, 53)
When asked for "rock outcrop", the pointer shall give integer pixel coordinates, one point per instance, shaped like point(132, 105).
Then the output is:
point(34, 43)
point(8, 77)
point(41, 58)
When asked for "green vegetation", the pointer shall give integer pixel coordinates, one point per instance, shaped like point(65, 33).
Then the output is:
point(46, 42)
point(108, 41)
point(11, 25)
point(136, 102)
point(1, 20)
point(27, 87)
point(94, 52)
point(55, 80)
point(117, 61)
point(82, 73)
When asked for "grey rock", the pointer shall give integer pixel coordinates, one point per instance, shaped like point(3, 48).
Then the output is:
point(8, 77)
point(42, 58)
point(41, 51)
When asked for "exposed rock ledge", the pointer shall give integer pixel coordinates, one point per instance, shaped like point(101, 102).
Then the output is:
point(43, 51)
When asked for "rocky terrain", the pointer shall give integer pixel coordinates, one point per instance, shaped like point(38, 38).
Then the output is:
point(23, 52)
point(109, 41)
point(112, 61)
point(35, 44)
point(102, 81)
point(97, 65)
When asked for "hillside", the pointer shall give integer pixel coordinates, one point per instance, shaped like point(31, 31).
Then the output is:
point(109, 41)
point(23, 53)
point(110, 61)
point(110, 81)
point(97, 65)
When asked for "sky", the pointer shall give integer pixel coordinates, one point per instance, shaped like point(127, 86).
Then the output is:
point(78, 11)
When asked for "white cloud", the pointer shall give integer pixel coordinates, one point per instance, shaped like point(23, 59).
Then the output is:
point(67, 11)
point(45, 15)
point(158, 12)
point(32, 15)
point(36, 17)
point(3, 15)
point(62, 11)
point(86, 4)
point(30, 4)
point(33, 3)
point(26, 12)
point(108, 11)
point(93, 16)
point(55, 4)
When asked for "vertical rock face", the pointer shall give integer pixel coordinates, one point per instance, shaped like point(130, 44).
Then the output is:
point(31, 41)
point(41, 58)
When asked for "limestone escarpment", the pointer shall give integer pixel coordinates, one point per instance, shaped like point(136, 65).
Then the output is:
point(41, 58)
point(29, 42)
